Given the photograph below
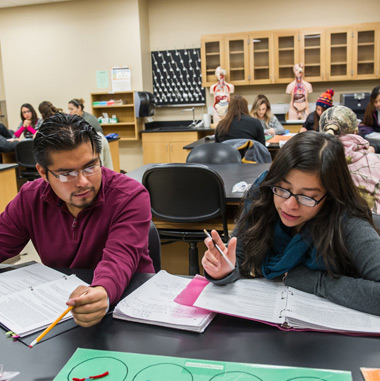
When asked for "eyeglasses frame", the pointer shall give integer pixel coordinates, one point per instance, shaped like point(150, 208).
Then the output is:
point(296, 196)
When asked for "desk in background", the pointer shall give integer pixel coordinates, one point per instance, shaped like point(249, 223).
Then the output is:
point(226, 339)
point(8, 157)
point(8, 184)
point(175, 256)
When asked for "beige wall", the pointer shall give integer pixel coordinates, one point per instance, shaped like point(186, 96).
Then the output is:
point(180, 24)
point(52, 52)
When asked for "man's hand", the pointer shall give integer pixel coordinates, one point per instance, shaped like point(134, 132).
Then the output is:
point(89, 308)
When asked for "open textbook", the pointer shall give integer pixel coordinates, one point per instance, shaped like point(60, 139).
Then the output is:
point(273, 303)
point(32, 297)
point(153, 303)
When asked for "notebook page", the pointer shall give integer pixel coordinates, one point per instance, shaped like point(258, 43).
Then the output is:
point(34, 308)
point(257, 299)
point(33, 275)
point(306, 310)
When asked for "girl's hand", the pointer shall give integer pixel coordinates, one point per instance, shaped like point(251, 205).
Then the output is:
point(271, 131)
point(27, 123)
point(212, 261)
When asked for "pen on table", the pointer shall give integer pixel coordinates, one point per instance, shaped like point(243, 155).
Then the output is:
point(232, 267)
point(52, 325)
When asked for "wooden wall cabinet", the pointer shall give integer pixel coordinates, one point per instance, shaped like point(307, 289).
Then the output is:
point(263, 57)
point(128, 126)
point(167, 147)
point(237, 62)
point(286, 55)
point(312, 54)
point(366, 51)
point(212, 53)
point(338, 53)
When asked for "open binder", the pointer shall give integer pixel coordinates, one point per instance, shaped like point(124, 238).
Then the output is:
point(273, 303)
point(32, 297)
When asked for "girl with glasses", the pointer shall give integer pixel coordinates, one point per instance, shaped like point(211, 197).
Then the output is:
point(304, 222)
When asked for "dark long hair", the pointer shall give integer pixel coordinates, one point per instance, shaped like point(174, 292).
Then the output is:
point(33, 111)
point(370, 109)
point(63, 132)
point(47, 109)
point(237, 107)
point(311, 152)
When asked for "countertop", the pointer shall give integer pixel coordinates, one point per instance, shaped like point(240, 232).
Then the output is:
point(4, 167)
point(173, 126)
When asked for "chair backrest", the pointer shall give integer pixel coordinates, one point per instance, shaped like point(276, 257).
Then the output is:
point(186, 193)
point(214, 153)
point(24, 153)
point(154, 247)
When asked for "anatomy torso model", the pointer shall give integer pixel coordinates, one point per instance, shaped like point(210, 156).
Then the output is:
point(299, 90)
point(221, 91)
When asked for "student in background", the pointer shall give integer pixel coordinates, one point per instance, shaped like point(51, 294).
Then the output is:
point(29, 122)
point(7, 145)
point(5, 132)
point(371, 118)
point(80, 215)
point(261, 110)
point(323, 103)
point(363, 163)
point(237, 124)
point(7, 142)
point(305, 223)
point(76, 106)
point(47, 109)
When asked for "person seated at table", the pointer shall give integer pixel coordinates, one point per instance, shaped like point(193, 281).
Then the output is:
point(304, 223)
point(371, 119)
point(80, 215)
point(29, 122)
point(237, 124)
point(363, 164)
point(76, 106)
point(261, 110)
point(8, 145)
point(47, 109)
point(4, 132)
point(323, 103)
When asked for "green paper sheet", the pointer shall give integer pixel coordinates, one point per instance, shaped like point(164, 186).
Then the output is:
point(124, 366)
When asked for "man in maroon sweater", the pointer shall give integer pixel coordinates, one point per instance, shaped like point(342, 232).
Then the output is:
point(80, 215)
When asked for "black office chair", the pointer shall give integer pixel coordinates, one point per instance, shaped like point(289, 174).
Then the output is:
point(25, 159)
point(154, 247)
point(214, 153)
point(186, 193)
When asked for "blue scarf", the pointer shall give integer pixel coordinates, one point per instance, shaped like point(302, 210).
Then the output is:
point(289, 251)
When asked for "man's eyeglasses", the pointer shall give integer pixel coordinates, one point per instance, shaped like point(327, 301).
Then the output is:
point(73, 175)
point(303, 200)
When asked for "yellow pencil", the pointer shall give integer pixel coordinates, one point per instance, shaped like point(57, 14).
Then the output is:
point(52, 325)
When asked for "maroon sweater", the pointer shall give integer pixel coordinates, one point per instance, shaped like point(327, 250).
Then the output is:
point(110, 236)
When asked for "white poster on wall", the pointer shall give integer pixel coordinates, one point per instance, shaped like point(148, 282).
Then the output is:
point(121, 78)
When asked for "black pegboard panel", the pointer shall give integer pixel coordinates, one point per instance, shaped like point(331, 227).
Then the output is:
point(177, 78)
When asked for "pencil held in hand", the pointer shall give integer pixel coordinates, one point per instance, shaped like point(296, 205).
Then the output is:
point(230, 265)
point(52, 325)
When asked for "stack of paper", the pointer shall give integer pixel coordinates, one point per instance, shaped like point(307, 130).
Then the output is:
point(153, 303)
